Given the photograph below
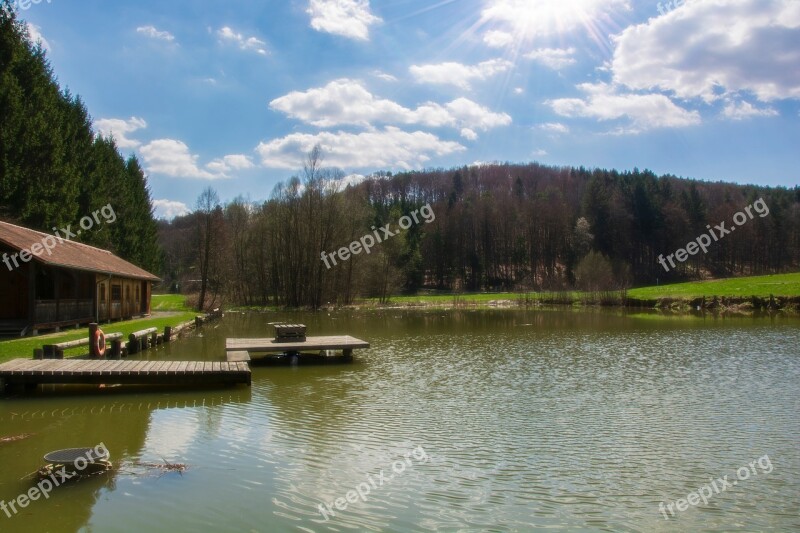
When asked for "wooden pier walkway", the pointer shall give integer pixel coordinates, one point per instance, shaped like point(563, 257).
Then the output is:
point(240, 350)
point(86, 371)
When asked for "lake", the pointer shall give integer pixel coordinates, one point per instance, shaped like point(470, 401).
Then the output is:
point(453, 421)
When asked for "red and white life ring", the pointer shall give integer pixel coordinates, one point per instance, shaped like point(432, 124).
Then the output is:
point(100, 343)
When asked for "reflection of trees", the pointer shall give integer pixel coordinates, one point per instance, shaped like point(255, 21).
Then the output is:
point(120, 421)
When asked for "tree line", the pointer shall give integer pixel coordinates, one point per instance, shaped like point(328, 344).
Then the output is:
point(497, 227)
point(53, 168)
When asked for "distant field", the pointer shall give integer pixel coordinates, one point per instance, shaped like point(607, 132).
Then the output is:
point(777, 285)
point(762, 286)
point(171, 303)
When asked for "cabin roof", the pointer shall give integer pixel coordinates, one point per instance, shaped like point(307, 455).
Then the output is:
point(70, 254)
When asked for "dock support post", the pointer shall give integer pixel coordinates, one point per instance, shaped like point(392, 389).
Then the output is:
point(92, 332)
point(348, 354)
point(116, 349)
point(133, 344)
point(154, 339)
point(167, 333)
point(38, 353)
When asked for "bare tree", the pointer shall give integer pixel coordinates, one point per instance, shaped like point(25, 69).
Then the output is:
point(207, 204)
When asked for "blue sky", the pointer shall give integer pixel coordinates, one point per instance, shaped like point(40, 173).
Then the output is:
point(233, 94)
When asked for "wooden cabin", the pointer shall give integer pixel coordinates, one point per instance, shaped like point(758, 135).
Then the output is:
point(64, 283)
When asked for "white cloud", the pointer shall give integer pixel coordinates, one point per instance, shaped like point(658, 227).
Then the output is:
point(169, 209)
point(467, 113)
point(539, 153)
point(351, 179)
point(35, 33)
point(172, 158)
point(498, 39)
point(224, 165)
point(643, 111)
point(153, 33)
point(555, 58)
point(228, 35)
point(348, 102)
point(743, 110)
point(469, 134)
point(348, 18)
point(554, 127)
point(384, 76)
point(119, 129)
point(388, 148)
point(458, 74)
point(714, 49)
point(525, 20)
point(519, 90)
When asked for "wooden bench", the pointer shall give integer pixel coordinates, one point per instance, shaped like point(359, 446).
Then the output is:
point(56, 351)
point(142, 339)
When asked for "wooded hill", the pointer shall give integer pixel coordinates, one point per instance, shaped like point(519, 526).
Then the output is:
point(53, 169)
point(496, 227)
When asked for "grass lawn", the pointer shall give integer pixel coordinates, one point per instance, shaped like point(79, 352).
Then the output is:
point(762, 286)
point(169, 310)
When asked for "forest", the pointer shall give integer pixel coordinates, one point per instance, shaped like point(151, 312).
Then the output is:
point(53, 168)
point(501, 226)
point(497, 227)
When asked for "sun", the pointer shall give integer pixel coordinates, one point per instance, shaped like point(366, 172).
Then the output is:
point(515, 24)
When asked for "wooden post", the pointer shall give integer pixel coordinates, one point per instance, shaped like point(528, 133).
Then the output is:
point(116, 349)
point(48, 351)
point(38, 353)
point(198, 321)
point(167, 333)
point(133, 344)
point(92, 346)
point(154, 339)
point(348, 354)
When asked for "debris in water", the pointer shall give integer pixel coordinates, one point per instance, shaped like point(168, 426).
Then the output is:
point(15, 438)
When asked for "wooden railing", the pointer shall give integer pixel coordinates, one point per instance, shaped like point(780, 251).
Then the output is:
point(52, 311)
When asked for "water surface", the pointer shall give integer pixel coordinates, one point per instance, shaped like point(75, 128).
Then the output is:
point(479, 420)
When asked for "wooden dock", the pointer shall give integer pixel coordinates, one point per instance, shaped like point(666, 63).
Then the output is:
point(240, 350)
point(82, 371)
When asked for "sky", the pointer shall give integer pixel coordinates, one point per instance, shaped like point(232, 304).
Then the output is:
point(234, 94)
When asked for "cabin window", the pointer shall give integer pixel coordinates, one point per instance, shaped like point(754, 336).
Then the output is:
point(116, 293)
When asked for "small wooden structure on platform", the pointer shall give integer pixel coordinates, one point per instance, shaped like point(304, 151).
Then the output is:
point(289, 344)
point(30, 372)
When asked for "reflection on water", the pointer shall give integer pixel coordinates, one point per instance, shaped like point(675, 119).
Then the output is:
point(529, 420)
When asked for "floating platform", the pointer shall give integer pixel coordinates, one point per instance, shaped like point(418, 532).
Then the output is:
point(84, 371)
point(242, 350)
